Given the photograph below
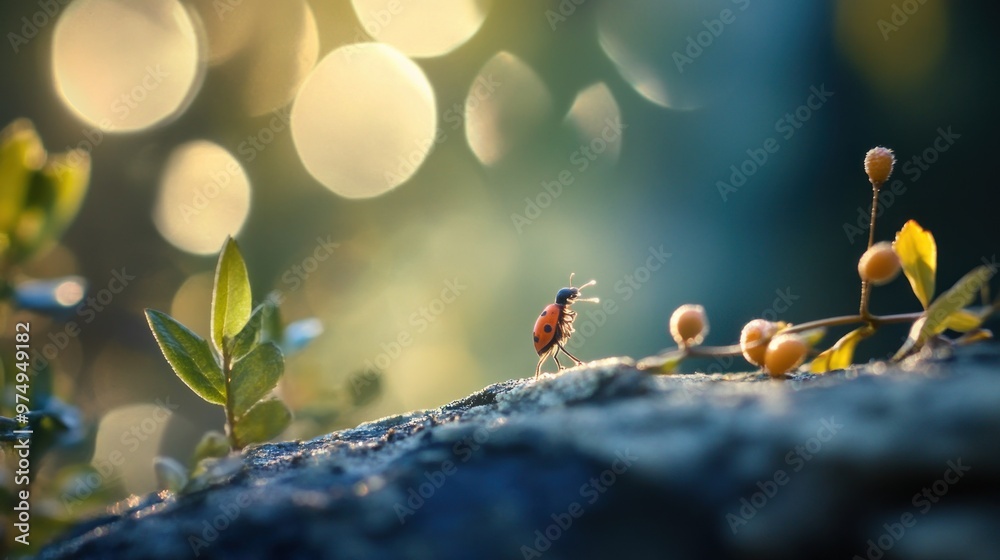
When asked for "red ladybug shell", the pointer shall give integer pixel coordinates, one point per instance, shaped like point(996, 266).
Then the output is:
point(547, 327)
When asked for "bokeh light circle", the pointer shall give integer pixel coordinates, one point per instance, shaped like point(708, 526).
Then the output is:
point(128, 439)
point(122, 65)
point(507, 104)
point(364, 120)
point(204, 196)
point(596, 117)
point(422, 28)
point(675, 53)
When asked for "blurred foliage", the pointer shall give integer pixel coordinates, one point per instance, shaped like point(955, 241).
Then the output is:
point(40, 195)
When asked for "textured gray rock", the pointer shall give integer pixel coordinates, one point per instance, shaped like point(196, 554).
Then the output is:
point(604, 461)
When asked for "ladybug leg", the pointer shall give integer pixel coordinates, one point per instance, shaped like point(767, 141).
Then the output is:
point(555, 357)
point(541, 360)
point(572, 357)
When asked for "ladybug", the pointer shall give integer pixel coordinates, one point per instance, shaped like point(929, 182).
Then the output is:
point(555, 325)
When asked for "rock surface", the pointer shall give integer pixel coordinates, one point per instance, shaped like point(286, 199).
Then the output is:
point(603, 461)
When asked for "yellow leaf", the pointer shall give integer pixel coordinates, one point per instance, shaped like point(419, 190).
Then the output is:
point(53, 200)
point(664, 363)
point(952, 301)
point(841, 354)
point(21, 154)
point(962, 321)
point(812, 337)
point(935, 320)
point(974, 336)
point(918, 255)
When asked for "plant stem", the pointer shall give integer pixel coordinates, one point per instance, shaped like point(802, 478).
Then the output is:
point(866, 287)
point(873, 320)
point(230, 420)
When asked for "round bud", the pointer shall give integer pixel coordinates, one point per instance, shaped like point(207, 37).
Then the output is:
point(880, 264)
point(754, 339)
point(878, 165)
point(689, 325)
point(785, 352)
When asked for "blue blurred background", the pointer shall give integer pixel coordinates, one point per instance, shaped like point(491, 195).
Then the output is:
point(427, 194)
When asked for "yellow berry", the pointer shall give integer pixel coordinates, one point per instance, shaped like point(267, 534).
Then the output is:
point(785, 352)
point(880, 264)
point(689, 325)
point(878, 165)
point(754, 339)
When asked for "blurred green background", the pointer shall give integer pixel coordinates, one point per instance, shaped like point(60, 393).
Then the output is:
point(432, 263)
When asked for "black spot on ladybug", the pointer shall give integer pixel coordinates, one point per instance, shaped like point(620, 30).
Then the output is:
point(536, 339)
point(548, 328)
point(544, 313)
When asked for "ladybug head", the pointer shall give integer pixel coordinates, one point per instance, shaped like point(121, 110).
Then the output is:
point(567, 295)
point(570, 295)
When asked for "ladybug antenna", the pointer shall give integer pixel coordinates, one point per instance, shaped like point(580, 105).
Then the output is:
point(571, 279)
point(588, 300)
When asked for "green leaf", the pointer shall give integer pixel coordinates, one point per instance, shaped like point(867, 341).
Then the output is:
point(663, 363)
point(935, 319)
point(231, 300)
point(189, 355)
point(963, 321)
point(918, 255)
point(841, 354)
point(265, 420)
point(212, 445)
point(248, 338)
point(955, 299)
point(254, 376)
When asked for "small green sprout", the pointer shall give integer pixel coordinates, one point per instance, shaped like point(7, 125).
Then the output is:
point(781, 347)
point(242, 364)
